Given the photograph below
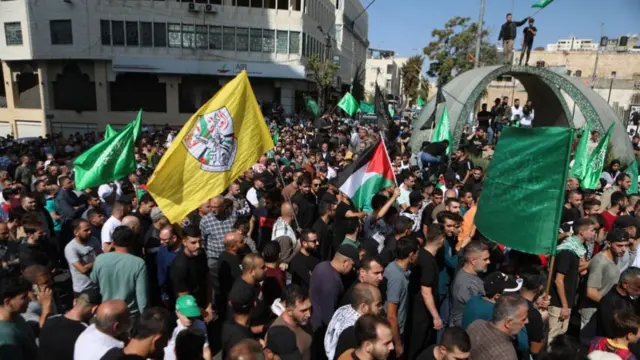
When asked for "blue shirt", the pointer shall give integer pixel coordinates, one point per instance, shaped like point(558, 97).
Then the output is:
point(477, 308)
point(164, 258)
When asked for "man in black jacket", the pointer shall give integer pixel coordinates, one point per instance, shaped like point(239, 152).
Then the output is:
point(527, 40)
point(508, 35)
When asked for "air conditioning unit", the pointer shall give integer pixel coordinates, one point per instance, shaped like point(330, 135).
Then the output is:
point(210, 9)
point(193, 8)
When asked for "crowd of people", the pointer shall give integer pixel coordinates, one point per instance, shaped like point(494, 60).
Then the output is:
point(283, 266)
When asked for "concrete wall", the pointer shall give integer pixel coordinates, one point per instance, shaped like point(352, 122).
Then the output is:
point(626, 65)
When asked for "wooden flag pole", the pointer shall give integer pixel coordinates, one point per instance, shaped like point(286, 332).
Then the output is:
point(550, 278)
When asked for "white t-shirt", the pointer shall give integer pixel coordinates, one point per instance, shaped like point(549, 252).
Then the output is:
point(515, 112)
point(169, 350)
point(92, 344)
point(107, 229)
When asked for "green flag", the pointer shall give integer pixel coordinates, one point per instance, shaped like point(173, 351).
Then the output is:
point(392, 111)
point(542, 4)
point(632, 170)
point(442, 131)
point(312, 105)
point(581, 156)
point(109, 160)
point(420, 102)
point(530, 163)
point(367, 108)
point(349, 104)
point(276, 136)
point(596, 163)
point(109, 132)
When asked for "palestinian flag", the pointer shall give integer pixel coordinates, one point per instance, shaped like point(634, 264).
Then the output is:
point(370, 173)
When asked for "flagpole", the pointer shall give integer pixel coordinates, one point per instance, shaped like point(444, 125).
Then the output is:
point(295, 217)
point(387, 153)
point(550, 277)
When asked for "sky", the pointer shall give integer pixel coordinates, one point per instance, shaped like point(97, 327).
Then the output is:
point(405, 25)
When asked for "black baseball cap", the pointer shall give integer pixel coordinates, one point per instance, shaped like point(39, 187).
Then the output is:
point(349, 251)
point(498, 283)
point(617, 235)
point(624, 221)
point(282, 342)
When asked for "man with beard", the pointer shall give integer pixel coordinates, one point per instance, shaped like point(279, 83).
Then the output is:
point(214, 227)
point(189, 274)
point(69, 206)
point(374, 340)
point(369, 272)
point(254, 195)
point(81, 252)
point(144, 212)
point(603, 272)
point(167, 253)
point(240, 203)
point(424, 318)
point(571, 209)
point(302, 264)
point(623, 183)
point(296, 316)
point(265, 217)
point(202, 211)
point(474, 183)
point(149, 336)
point(427, 212)
point(366, 299)
point(508, 34)
point(327, 211)
point(306, 202)
point(251, 278)
point(467, 283)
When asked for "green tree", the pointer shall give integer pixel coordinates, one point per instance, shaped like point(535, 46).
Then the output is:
point(357, 84)
point(322, 73)
point(412, 87)
point(452, 50)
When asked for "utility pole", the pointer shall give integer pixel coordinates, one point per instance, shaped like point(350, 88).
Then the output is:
point(479, 34)
point(595, 66)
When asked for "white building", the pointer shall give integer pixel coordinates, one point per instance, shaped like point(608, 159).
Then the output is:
point(573, 44)
point(383, 68)
point(73, 65)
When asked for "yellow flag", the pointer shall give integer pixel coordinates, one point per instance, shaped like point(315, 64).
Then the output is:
point(220, 141)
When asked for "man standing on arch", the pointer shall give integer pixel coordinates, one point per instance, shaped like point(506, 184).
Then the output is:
point(508, 35)
point(527, 41)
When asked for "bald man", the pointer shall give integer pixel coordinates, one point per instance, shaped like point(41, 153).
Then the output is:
point(283, 232)
point(133, 223)
point(229, 269)
point(112, 324)
point(214, 226)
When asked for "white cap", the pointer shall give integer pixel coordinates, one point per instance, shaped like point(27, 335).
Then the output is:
point(104, 191)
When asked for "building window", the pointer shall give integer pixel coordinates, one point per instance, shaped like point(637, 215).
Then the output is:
point(256, 40)
point(159, 34)
point(268, 40)
point(256, 3)
point(146, 34)
point(297, 4)
point(61, 33)
point(388, 87)
point(242, 39)
point(175, 40)
point(228, 38)
point(389, 69)
point(188, 36)
point(578, 73)
point(132, 33)
point(117, 31)
point(201, 37)
point(283, 42)
point(215, 37)
point(294, 42)
point(283, 4)
point(105, 31)
point(13, 33)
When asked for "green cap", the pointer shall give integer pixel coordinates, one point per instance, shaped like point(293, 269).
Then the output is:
point(187, 306)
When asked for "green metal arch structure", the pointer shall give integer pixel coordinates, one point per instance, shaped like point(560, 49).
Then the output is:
point(543, 88)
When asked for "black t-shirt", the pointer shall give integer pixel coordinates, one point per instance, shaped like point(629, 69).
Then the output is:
point(58, 337)
point(118, 354)
point(427, 213)
point(264, 221)
point(190, 274)
point(427, 354)
point(528, 36)
point(301, 267)
point(424, 273)
point(483, 119)
point(347, 340)
point(233, 333)
point(229, 271)
point(535, 328)
point(462, 167)
point(566, 263)
point(339, 229)
point(476, 144)
point(570, 215)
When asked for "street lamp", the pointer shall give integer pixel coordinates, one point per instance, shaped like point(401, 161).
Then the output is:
point(613, 77)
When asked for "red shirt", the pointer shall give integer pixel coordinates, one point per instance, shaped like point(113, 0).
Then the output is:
point(609, 218)
point(606, 345)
